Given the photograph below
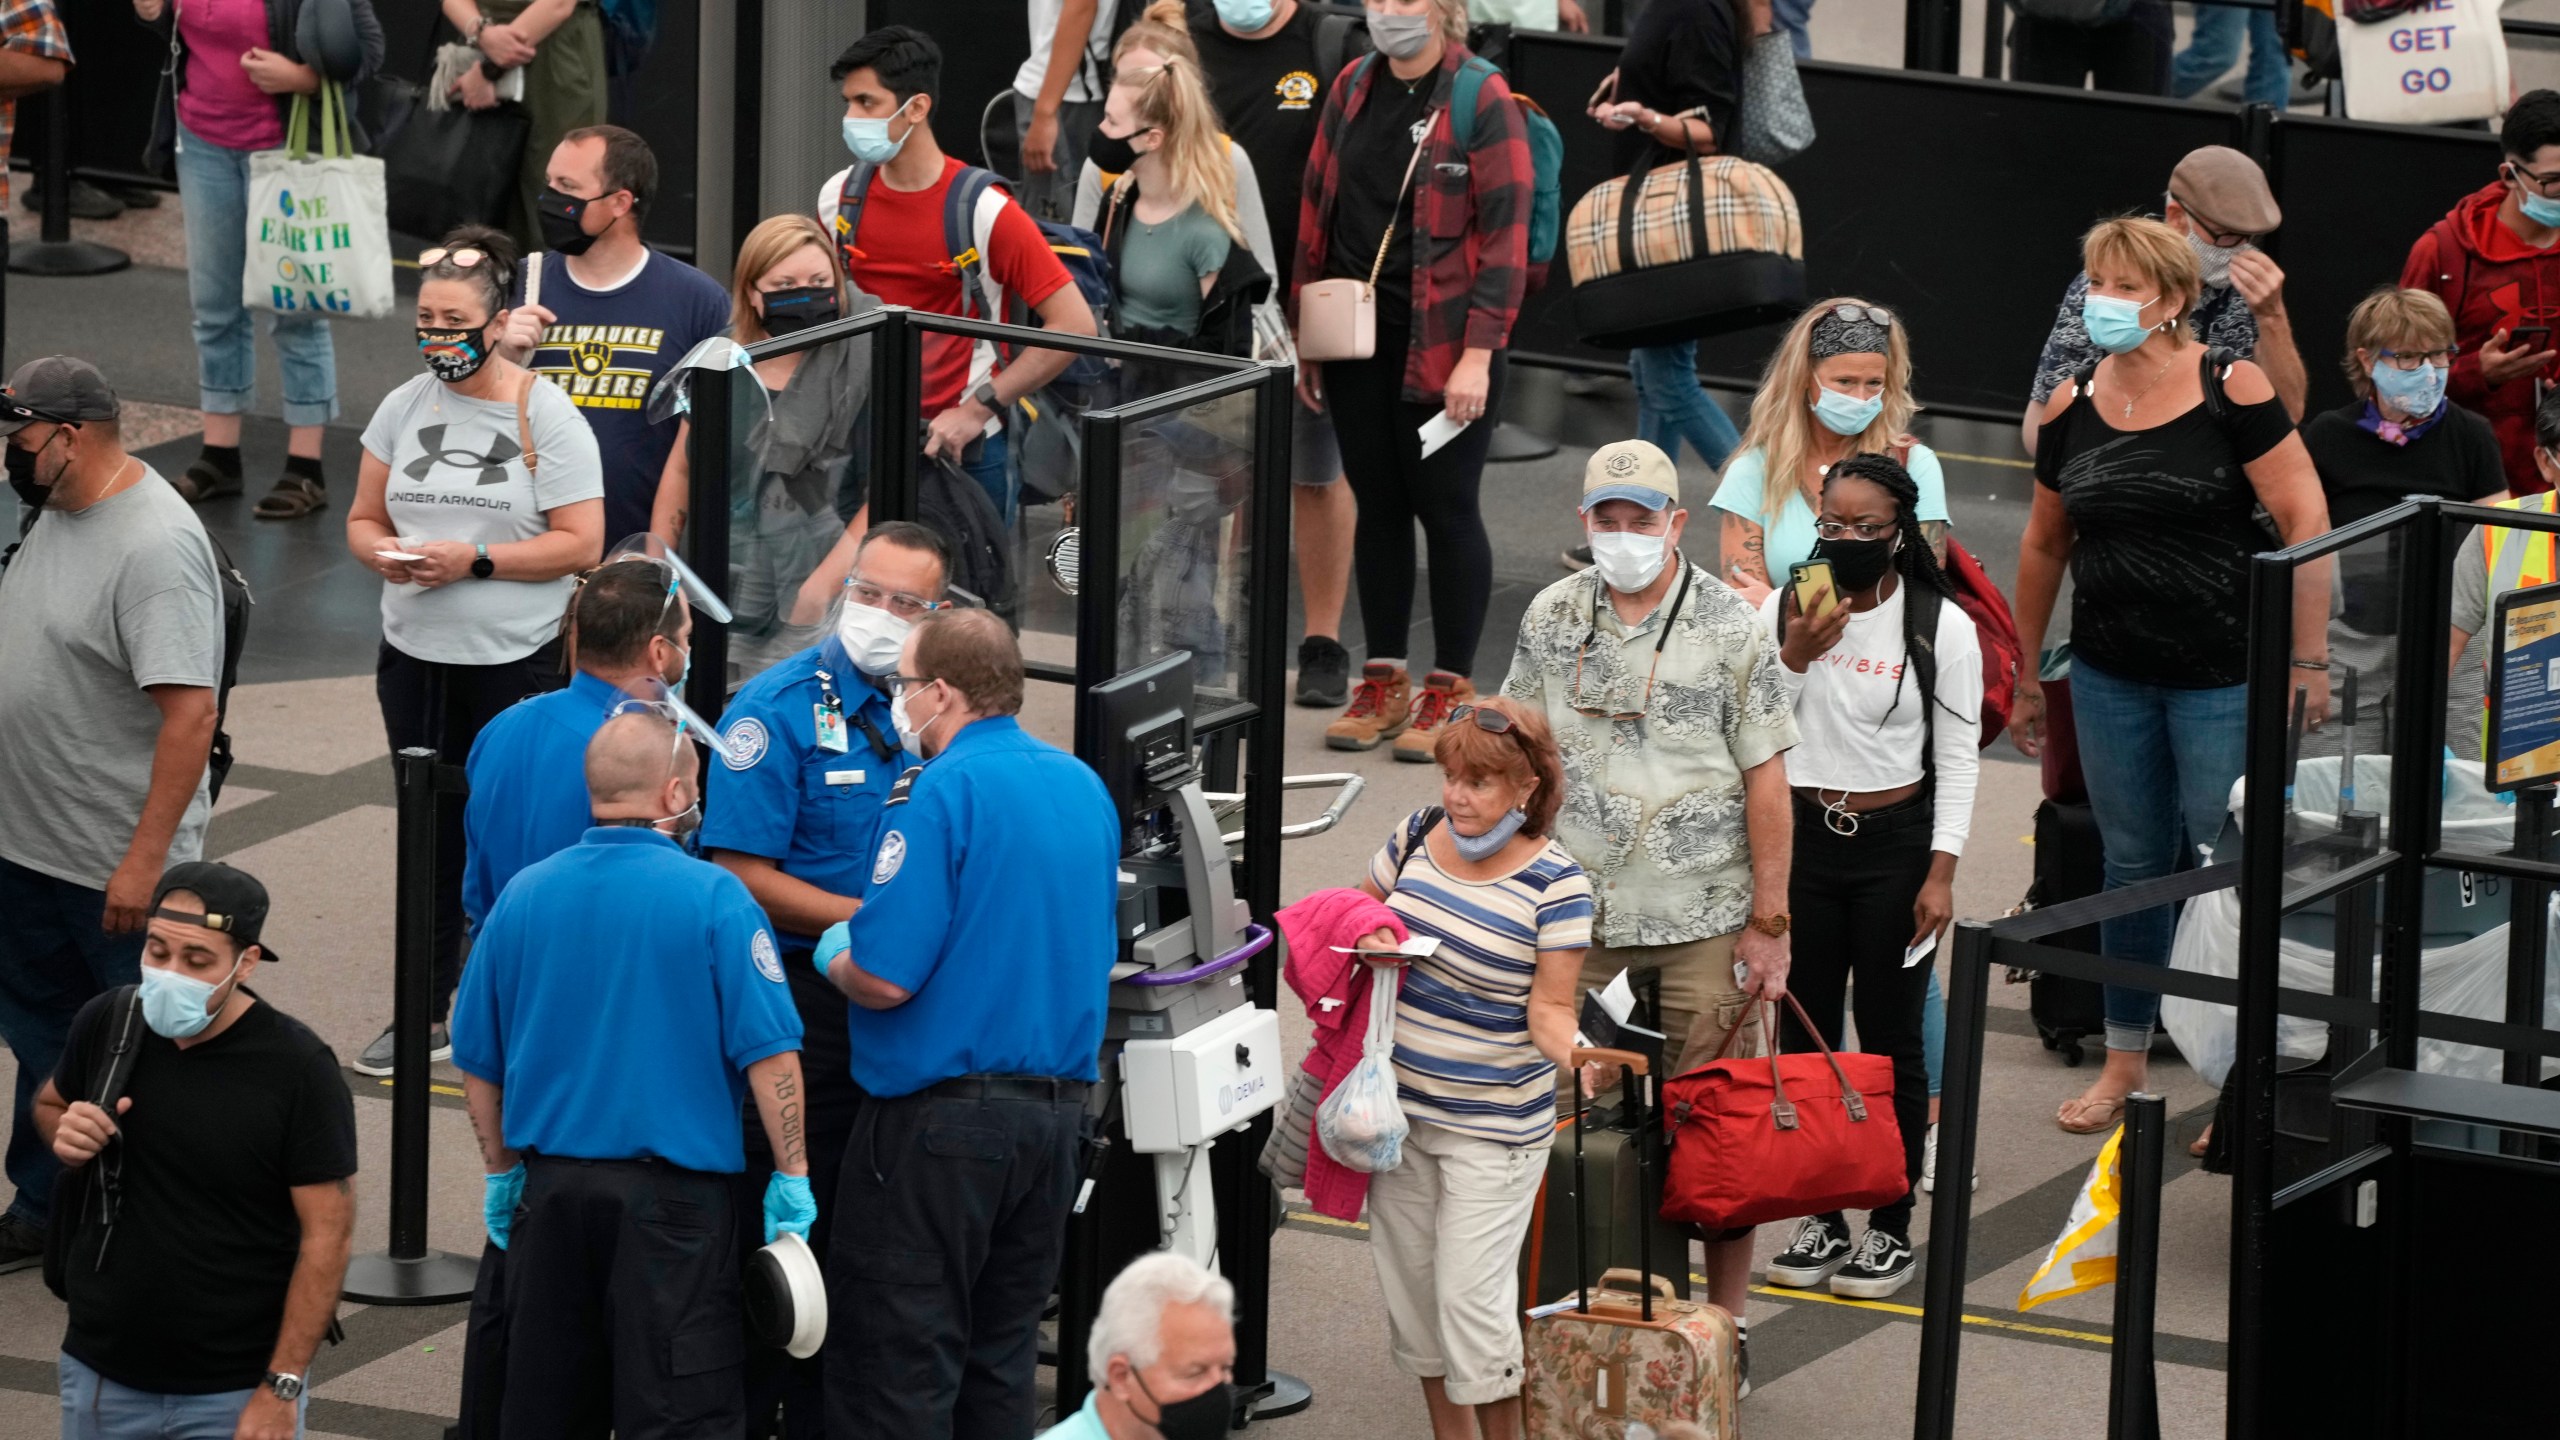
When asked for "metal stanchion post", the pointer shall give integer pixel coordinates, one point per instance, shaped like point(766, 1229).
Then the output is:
point(2133, 1397)
point(56, 253)
point(409, 1273)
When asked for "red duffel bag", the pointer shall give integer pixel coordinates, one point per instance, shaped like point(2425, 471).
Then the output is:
point(1781, 1136)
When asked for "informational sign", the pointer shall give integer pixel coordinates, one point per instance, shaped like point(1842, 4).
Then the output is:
point(2524, 689)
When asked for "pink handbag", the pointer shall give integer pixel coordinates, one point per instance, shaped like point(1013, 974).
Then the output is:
point(1338, 319)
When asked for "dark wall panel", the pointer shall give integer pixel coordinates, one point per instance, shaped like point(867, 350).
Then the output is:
point(983, 42)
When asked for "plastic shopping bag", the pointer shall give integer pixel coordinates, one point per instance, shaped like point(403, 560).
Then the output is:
point(1360, 1123)
point(319, 242)
point(2440, 61)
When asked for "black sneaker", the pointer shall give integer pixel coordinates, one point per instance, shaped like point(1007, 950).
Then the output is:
point(376, 1059)
point(1819, 1248)
point(1324, 673)
point(21, 1244)
point(1883, 1266)
point(1576, 558)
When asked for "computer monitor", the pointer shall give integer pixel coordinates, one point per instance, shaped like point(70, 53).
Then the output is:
point(1141, 727)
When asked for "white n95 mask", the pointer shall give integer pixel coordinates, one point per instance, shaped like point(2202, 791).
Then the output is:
point(1628, 561)
point(872, 637)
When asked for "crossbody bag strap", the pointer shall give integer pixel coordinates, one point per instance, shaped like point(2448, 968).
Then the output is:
point(1379, 265)
point(1417, 830)
point(524, 425)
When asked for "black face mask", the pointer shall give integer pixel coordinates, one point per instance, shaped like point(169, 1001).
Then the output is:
point(21, 464)
point(1856, 564)
point(1205, 1416)
point(560, 215)
point(453, 355)
point(1112, 155)
point(787, 311)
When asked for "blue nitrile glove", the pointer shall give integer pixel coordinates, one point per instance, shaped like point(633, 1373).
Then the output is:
point(498, 1197)
point(837, 940)
point(789, 1204)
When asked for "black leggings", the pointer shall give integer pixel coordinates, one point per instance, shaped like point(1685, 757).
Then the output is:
point(1851, 896)
point(1396, 487)
point(443, 707)
point(2129, 57)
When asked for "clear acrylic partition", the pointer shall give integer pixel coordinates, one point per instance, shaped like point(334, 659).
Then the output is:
point(1185, 536)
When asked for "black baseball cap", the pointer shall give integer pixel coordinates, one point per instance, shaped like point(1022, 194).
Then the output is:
point(234, 902)
point(57, 388)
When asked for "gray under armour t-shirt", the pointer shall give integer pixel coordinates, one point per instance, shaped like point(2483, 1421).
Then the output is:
point(98, 604)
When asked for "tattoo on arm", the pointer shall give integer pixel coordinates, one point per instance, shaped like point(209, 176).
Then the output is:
point(1745, 557)
point(787, 1098)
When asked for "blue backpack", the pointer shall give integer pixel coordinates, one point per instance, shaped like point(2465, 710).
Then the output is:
point(1546, 149)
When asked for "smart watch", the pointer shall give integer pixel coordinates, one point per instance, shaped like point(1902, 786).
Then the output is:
point(482, 567)
point(985, 395)
point(287, 1388)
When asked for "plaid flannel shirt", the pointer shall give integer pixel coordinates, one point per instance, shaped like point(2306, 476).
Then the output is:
point(31, 28)
point(1470, 214)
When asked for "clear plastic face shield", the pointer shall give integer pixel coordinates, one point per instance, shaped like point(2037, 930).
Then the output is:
point(651, 550)
point(672, 396)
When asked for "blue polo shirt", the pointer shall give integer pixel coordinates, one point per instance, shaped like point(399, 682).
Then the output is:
point(814, 811)
point(528, 775)
point(993, 901)
point(618, 992)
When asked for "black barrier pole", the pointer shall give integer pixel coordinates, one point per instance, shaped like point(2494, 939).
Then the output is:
point(897, 399)
point(2133, 1395)
point(409, 1273)
point(1932, 33)
point(1933, 1414)
point(712, 409)
point(56, 253)
point(2526, 941)
point(1995, 38)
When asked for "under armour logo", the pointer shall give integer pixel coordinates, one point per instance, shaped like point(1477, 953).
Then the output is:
point(492, 466)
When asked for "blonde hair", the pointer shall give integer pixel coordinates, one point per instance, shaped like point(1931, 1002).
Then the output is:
point(2150, 249)
point(769, 244)
point(1453, 19)
point(1163, 30)
point(2395, 319)
point(1174, 99)
point(1782, 422)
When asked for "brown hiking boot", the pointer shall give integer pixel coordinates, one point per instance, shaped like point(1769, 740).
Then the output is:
point(1378, 706)
point(1440, 693)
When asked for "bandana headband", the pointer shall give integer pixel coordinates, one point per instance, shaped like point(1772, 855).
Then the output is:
point(1834, 334)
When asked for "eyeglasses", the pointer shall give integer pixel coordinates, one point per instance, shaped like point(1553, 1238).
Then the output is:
point(1664, 638)
point(1874, 313)
point(2213, 235)
point(2540, 182)
point(898, 685)
point(1842, 530)
point(896, 602)
point(1492, 721)
point(2413, 359)
point(463, 257)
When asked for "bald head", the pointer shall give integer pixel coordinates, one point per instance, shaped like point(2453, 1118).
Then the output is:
point(631, 763)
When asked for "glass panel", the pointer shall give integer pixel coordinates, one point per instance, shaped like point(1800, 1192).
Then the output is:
point(1184, 537)
point(799, 483)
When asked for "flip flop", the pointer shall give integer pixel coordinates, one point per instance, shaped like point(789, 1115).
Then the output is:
point(2110, 1107)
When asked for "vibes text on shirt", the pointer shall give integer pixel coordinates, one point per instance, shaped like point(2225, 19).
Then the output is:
point(1862, 665)
point(592, 378)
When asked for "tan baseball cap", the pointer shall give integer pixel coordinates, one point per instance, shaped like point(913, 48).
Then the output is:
point(1634, 470)
point(2226, 191)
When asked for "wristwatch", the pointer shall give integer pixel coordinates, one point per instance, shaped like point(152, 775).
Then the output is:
point(482, 567)
point(287, 1388)
point(1770, 924)
point(985, 395)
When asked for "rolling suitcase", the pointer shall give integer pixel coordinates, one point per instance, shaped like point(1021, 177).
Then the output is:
point(1549, 1258)
point(2068, 866)
point(1626, 1349)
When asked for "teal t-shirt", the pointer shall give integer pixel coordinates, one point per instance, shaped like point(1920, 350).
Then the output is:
point(1790, 538)
point(1085, 1424)
point(1161, 267)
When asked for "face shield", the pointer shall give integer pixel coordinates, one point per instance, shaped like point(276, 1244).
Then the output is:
point(651, 550)
point(672, 396)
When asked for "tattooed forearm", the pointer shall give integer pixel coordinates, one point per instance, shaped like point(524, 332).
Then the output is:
point(1745, 549)
point(776, 1083)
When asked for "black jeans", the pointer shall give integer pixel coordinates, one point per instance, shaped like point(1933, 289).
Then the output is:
point(2130, 57)
point(1396, 487)
point(1851, 896)
point(774, 1379)
point(951, 1216)
point(444, 707)
point(622, 1303)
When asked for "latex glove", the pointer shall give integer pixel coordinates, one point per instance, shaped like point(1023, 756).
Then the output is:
point(498, 1196)
point(789, 1204)
point(837, 940)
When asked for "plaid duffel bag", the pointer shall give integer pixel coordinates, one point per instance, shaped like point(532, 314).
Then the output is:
point(1711, 244)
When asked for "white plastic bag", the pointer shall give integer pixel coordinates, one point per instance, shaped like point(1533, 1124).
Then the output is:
point(2445, 60)
point(319, 241)
point(1360, 1123)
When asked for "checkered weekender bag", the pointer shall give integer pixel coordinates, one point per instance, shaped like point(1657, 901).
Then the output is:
point(1711, 244)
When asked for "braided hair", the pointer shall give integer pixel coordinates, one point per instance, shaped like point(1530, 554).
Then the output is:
point(1913, 560)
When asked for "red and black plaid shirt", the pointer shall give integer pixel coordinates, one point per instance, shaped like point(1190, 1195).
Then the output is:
point(30, 28)
point(1470, 217)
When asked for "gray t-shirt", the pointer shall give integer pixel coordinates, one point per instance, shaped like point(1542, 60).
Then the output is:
point(2470, 679)
point(458, 473)
point(98, 604)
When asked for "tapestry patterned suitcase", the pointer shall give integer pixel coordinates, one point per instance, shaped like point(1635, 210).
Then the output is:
point(1627, 1349)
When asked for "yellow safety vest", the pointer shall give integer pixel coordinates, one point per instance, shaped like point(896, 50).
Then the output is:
point(2516, 559)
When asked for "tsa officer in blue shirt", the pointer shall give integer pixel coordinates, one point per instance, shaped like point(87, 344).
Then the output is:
point(978, 967)
point(622, 1001)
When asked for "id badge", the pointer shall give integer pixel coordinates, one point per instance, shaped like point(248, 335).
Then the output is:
point(830, 728)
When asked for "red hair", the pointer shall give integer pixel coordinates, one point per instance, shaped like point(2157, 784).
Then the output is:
point(1527, 751)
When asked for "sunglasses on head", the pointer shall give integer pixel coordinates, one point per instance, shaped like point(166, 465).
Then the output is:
point(1876, 314)
point(462, 257)
point(1492, 721)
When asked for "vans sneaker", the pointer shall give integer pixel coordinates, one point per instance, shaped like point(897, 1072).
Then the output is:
point(376, 1059)
point(1821, 1246)
point(1883, 1266)
point(1929, 1165)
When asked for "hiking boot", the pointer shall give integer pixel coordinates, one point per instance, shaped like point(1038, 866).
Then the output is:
point(1441, 692)
point(1379, 705)
point(1883, 1266)
point(376, 1059)
point(1324, 672)
point(1821, 1246)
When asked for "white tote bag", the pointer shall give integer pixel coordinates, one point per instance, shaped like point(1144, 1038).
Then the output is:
point(2444, 61)
point(318, 239)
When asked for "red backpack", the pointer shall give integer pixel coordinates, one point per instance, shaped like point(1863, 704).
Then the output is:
point(1993, 629)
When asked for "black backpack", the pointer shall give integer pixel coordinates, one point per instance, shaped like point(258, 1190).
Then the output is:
point(74, 1190)
point(951, 503)
point(236, 602)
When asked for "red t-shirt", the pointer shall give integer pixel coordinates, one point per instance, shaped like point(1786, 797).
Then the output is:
point(905, 258)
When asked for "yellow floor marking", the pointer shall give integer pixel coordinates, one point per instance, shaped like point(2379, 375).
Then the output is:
point(452, 1090)
point(2002, 461)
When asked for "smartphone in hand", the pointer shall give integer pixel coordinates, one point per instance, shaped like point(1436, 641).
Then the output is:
point(1809, 578)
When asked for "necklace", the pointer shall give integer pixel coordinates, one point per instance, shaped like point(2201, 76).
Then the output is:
point(2145, 390)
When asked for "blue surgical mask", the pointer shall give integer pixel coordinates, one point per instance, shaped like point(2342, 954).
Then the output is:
point(2414, 393)
point(176, 1006)
point(1845, 414)
point(2539, 210)
point(1245, 15)
point(1473, 848)
point(2114, 324)
point(869, 139)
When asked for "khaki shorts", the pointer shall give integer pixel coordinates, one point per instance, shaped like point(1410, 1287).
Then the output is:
point(1700, 1002)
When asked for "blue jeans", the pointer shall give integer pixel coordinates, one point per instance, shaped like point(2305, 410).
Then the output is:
point(2215, 43)
point(214, 182)
point(1793, 16)
point(54, 958)
point(1671, 406)
point(97, 1408)
point(2160, 764)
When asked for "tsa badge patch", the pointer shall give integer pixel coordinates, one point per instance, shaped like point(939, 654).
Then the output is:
point(1297, 90)
point(747, 742)
point(768, 960)
point(893, 853)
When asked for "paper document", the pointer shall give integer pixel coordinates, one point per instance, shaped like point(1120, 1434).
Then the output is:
point(1439, 430)
point(1420, 947)
point(399, 555)
point(1913, 955)
point(1619, 998)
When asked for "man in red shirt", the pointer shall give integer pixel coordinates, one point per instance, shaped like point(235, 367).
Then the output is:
point(2494, 260)
point(897, 249)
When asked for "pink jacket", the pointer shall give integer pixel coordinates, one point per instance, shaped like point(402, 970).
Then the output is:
point(1335, 988)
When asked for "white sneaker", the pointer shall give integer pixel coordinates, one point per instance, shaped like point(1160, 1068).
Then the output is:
point(1929, 1165)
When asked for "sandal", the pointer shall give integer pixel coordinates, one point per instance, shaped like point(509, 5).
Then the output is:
point(2108, 1108)
point(294, 497)
point(205, 481)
